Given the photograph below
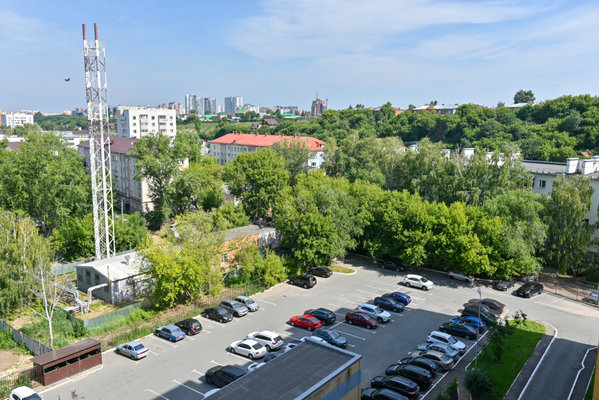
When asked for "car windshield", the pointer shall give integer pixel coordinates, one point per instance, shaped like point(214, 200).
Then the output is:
point(138, 347)
point(277, 339)
point(221, 311)
point(257, 346)
point(423, 279)
point(249, 301)
point(445, 358)
point(452, 340)
point(236, 305)
point(334, 334)
point(34, 396)
point(377, 310)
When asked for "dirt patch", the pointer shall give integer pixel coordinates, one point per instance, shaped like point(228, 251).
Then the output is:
point(566, 286)
point(11, 363)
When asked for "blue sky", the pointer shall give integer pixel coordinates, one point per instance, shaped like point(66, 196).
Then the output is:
point(278, 52)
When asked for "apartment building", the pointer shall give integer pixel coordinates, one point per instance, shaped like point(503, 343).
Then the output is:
point(135, 122)
point(209, 105)
point(232, 104)
point(15, 119)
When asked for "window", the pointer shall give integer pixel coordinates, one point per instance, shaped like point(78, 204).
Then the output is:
point(153, 117)
point(542, 184)
point(97, 278)
point(88, 277)
point(134, 117)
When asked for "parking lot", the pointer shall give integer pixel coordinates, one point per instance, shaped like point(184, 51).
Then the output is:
point(176, 370)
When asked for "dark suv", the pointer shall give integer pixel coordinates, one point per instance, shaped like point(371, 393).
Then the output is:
point(326, 316)
point(221, 376)
point(190, 326)
point(529, 289)
point(305, 281)
point(402, 385)
point(421, 376)
point(218, 314)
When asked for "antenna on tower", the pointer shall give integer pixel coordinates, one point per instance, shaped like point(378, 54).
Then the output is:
point(94, 61)
point(317, 94)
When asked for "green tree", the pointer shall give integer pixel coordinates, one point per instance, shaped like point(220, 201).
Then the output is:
point(569, 232)
point(199, 187)
point(296, 154)
point(257, 178)
point(524, 96)
point(229, 216)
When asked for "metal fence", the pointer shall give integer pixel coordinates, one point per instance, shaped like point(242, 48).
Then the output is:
point(33, 345)
point(102, 320)
point(572, 288)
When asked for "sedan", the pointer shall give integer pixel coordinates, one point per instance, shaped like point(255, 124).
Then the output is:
point(472, 321)
point(458, 329)
point(374, 312)
point(494, 305)
point(461, 277)
point(359, 318)
point(134, 350)
point(222, 375)
point(503, 285)
point(417, 281)
point(419, 362)
point(322, 272)
point(331, 336)
point(248, 348)
point(219, 314)
point(381, 394)
point(387, 303)
point(529, 289)
point(249, 303)
point(390, 265)
point(305, 321)
point(170, 332)
point(441, 348)
point(326, 316)
point(443, 362)
point(475, 307)
point(190, 326)
point(399, 296)
point(473, 311)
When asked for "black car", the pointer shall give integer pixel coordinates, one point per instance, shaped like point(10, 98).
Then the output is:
point(529, 289)
point(483, 308)
point(473, 311)
point(326, 316)
point(331, 336)
point(503, 285)
point(459, 329)
point(190, 326)
point(423, 377)
point(222, 375)
point(391, 265)
point(219, 314)
point(420, 362)
point(387, 303)
point(305, 281)
point(494, 305)
point(381, 394)
point(323, 272)
point(402, 385)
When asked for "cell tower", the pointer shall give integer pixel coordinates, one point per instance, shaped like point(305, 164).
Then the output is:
point(94, 59)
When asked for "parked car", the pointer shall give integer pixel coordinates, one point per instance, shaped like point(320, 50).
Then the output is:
point(494, 305)
point(381, 394)
point(503, 285)
point(170, 332)
point(483, 308)
point(423, 377)
point(374, 311)
point(24, 393)
point(270, 340)
point(441, 348)
point(417, 281)
point(527, 277)
point(459, 329)
point(399, 296)
point(249, 303)
point(331, 336)
point(593, 297)
point(190, 326)
point(134, 350)
point(305, 321)
point(219, 314)
point(248, 348)
point(529, 289)
point(234, 307)
point(472, 321)
point(443, 362)
point(401, 385)
point(222, 375)
point(359, 318)
point(391, 265)
point(445, 338)
point(387, 303)
point(326, 316)
point(322, 272)
point(419, 362)
point(305, 281)
point(461, 277)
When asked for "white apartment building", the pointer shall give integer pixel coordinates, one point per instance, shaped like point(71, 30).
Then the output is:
point(194, 103)
point(15, 119)
point(135, 122)
point(232, 104)
point(209, 105)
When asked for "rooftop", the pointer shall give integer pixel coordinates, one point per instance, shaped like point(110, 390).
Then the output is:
point(118, 144)
point(257, 140)
point(116, 267)
point(248, 230)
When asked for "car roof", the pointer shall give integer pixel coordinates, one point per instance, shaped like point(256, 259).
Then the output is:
point(267, 333)
point(234, 370)
point(133, 343)
point(23, 391)
point(359, 313)
point(435, 353)
point(242, 297)
point(248, 341)
point(414, 276)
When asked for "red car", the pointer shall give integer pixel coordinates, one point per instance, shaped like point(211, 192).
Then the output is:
point(359, 318)
point(305, 321)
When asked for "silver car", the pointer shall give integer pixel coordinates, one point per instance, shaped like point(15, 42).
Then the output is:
point(270, 340)
point(249, 303)
point(443, 362)
point(234, 307)
point(375, 312)
point(461, 277)
point(441, 348)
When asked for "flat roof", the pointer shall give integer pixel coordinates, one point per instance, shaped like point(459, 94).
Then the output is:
point(65, 351)
point(245, 231)
point(116, 267)
point(294, 375)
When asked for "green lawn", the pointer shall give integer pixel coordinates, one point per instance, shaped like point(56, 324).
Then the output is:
point(518, 348)
point(339, 268)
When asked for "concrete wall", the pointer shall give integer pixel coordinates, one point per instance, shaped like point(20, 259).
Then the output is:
point(345, 386)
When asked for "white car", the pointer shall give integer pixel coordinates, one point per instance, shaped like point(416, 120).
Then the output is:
point(418, 282)
point(375, 312)
point(249, 303)
point(270, 340)
point(24, 393)
point(248, 348)
point(446, 338)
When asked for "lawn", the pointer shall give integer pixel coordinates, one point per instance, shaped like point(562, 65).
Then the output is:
point(339, 268)
point(517, 349)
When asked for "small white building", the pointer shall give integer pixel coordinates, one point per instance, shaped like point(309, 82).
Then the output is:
point(135, 122)
point(15, 119)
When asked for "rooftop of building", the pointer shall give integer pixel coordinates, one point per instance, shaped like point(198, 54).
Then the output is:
point(247, 230)
point(118, 267)
point(118, 144)
point(258, 140)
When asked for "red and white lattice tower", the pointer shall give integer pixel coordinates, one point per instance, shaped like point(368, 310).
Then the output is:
point(94, 59)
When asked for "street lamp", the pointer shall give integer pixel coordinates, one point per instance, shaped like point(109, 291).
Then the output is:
point(477, 327)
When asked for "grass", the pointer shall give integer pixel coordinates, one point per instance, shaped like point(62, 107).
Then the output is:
point(518, 348)
point(589, 393)
point(343, 270)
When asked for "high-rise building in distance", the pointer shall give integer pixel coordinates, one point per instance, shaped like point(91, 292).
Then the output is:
point(318, 106)
point(209, 105)
point(194, 103)
point(136, 122)
point(232, 104)
point(14, 119)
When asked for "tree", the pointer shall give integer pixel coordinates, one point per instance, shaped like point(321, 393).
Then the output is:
point(199, 187)
point(296, 154)
point(524, 96)
point(257, 178)
point(569, 232)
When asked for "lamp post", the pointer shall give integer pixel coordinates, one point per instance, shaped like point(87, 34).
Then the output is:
point(477, 327)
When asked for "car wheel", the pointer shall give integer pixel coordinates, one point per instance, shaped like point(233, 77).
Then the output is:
point(407, 284)
point(305, 286)
point(349, 321)
point(367, 326)
point(309, 328)
point(268, 348)
point(425, 288)
point(233, 350)
point(250, 356)
point(291, 323)
point(209, 380)
point(379, 319)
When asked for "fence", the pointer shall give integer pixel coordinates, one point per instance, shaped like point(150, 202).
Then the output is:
point(33, 345)
point(571, 288)
point(20, 378)
point(100, 321)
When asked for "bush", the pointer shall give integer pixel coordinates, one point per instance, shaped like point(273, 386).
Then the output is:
point(6, 340)
point(479, 382)
point(141, 315)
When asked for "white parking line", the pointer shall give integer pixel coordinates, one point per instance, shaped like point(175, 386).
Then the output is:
point(579, 371)
point(212, 361)
point(213, 322)
point(243, 357)
point(349, 334)
point(184, 385)
point(157, 394)
point(197, 372)
point(267, 302)
point(153, 352)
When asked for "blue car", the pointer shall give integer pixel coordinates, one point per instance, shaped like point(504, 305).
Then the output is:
point(399, 296)
point(170, 332)
point(134, 350)
point(472, 321)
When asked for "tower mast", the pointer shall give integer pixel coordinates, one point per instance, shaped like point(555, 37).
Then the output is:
point(94, 60)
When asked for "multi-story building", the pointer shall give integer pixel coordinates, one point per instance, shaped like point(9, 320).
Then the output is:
point(194, 103)
point(229, 146)
point(136, 122)
point(209, 105)
point(232, 104)
point(15, 119)
point(172, 106)
point(318, 106)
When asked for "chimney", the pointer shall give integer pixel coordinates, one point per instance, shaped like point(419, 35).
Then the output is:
point(588, 167)
point(414, 148)
point(571, 165)
point(468, 152)
point(596, 163)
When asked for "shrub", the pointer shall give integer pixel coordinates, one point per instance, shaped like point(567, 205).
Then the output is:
point(479, 382)
point(6, 340)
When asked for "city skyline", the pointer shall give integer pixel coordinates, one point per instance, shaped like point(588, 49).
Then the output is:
point(279, 53)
